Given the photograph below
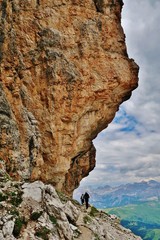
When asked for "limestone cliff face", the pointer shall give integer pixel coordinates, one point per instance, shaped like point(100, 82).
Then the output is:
point(64, 71)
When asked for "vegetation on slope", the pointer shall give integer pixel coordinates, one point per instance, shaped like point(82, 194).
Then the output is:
point(143, 219)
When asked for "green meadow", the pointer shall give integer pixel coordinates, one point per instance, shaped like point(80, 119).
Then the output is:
point(143, 219)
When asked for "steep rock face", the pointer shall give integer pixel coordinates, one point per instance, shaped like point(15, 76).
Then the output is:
point(64, 73)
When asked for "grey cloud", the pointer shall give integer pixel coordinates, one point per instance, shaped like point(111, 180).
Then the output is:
point(150, 173)
point(132, 168)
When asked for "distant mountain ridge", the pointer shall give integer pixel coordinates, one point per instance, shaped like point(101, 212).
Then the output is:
point(131, 193)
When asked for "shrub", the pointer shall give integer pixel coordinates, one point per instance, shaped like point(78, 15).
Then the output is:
point(87, 219)
point(96, 237)
point(35, 215)
point(13, 194)
point(3, 197)
point(16, 199)
point(53, 219)
point(62, 197)
point(17, 226)
point(75, 202)
point(14, 212)
point(43, 233)
point(93, 211)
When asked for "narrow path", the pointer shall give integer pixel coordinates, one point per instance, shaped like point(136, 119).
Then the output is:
point(86, 233)
point(80, 219)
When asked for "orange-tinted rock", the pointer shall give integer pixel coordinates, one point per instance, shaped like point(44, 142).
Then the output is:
point(64, 73)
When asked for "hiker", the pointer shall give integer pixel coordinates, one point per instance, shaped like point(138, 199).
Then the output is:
point(86, 199)
point(82, 199)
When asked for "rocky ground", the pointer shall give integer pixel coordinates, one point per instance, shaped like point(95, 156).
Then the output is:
point(36, 211)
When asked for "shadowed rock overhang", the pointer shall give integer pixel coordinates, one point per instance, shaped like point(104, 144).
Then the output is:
point(64, 73)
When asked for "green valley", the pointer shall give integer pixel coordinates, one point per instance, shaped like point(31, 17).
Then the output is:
point(143, 218)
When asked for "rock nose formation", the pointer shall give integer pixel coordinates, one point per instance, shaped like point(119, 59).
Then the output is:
point(64, 71)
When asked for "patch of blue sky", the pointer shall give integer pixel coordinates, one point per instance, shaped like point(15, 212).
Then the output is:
point(130, 124)
point(123, 123)
point(127, 122)
point(120, 115)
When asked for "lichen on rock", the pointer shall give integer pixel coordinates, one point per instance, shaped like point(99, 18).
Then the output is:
point(64, 71)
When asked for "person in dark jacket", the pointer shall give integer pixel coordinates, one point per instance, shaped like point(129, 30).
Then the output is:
point(82, 199)
point(86, 199)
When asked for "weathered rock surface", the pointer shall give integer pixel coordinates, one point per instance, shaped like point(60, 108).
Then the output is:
point(52, 216)
point(64, 71)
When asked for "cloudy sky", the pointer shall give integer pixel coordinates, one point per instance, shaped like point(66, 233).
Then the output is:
point(129, 149)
